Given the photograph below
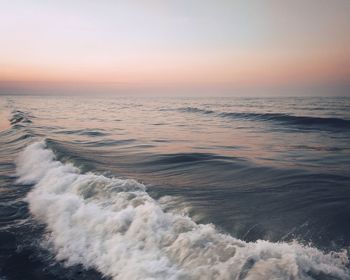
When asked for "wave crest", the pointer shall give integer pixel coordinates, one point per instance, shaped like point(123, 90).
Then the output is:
point(19, 117)
point(114, 226)
point(304, 122)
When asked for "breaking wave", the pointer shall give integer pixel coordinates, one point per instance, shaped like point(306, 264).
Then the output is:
point(115, 227)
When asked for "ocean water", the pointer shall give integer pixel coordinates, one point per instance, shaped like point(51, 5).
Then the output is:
point(174, 188)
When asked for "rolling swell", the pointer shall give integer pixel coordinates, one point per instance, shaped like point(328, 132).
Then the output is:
point(304, 122)
point(114, 226)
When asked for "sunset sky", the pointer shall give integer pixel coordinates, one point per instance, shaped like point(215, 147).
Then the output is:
point(177, 45)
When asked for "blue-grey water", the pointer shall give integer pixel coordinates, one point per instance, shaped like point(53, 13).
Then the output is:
point(174, 188)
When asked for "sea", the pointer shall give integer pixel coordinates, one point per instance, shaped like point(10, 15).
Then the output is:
point(141, 187)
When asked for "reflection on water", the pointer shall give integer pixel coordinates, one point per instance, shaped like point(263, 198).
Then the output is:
point(162, 126)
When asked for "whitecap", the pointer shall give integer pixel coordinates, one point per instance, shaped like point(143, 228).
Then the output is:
point(115, 227)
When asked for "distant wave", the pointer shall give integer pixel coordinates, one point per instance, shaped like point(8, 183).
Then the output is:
point(19, 117)
point(86, 132)
point(114, 226)
point(195, 110)
point(305, 121)
point(300, 121)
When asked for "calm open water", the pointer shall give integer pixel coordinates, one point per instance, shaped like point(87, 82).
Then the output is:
point(174, 188)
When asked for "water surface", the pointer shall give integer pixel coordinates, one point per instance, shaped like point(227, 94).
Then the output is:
point(237, 188)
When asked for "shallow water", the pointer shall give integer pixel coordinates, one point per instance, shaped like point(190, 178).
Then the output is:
point(228, 188)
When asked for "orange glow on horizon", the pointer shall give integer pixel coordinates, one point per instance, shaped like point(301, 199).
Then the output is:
point(182, 44)
point(204, 69)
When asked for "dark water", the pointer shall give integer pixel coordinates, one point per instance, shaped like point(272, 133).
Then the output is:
point(221, 188)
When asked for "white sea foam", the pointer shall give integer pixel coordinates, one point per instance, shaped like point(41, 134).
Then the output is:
point(114, 226)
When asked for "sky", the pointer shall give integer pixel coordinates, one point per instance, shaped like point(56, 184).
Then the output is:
point(290, 46)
